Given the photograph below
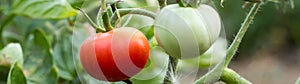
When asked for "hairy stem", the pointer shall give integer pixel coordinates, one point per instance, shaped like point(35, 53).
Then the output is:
point(231, 51)
point(234, 46)
point(231, 77)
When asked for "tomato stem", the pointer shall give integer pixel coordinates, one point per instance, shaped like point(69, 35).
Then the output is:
point(238, 39)
point(95, 26)
point(231, 52)
point(122, 12)
point(231, 77)
point(106, 22)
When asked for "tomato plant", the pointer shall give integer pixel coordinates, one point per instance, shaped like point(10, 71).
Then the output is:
point(147, 41)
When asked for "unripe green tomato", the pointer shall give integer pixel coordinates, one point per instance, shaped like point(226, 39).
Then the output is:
point(214, 55)
point(115, 55)
point(186, 32)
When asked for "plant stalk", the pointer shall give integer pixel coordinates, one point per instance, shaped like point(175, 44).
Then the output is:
point(231, 51)
point(106, 22)
point(231, 77)
point(233, 48)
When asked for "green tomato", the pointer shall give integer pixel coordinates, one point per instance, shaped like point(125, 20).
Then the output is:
point(214, 55)
point(186, 32)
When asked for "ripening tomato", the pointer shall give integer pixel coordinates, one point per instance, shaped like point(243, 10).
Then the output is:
point(187, 32)
point(115, 55)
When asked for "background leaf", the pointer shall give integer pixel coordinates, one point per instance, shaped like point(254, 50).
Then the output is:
point(16, 75)
point(38, 60)
point(49, 9)
point(63, 55)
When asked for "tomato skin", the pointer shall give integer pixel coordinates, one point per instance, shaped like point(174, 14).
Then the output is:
point(186, 32)
point(104, 55)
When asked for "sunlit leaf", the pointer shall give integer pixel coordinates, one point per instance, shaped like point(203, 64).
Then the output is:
point(38, 60)
point(49, 9)
point(63, 56)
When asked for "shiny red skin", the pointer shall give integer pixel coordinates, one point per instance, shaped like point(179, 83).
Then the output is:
point(101, 45)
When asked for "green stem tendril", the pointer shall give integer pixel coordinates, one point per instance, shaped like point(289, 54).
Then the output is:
point(237, 40)
point(126, 11)
point(95, 26)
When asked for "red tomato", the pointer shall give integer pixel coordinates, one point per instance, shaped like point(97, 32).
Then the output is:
point(115, 55)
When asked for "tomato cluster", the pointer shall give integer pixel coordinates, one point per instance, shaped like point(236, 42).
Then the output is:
point(183, 32)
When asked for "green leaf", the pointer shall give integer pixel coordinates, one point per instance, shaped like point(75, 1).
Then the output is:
point(5, 21)
point(16, 75)
point(10, 54)
point(76, 3)
point(63, 56)
point(155, 70)
point(47, 9)
point(38, 60)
